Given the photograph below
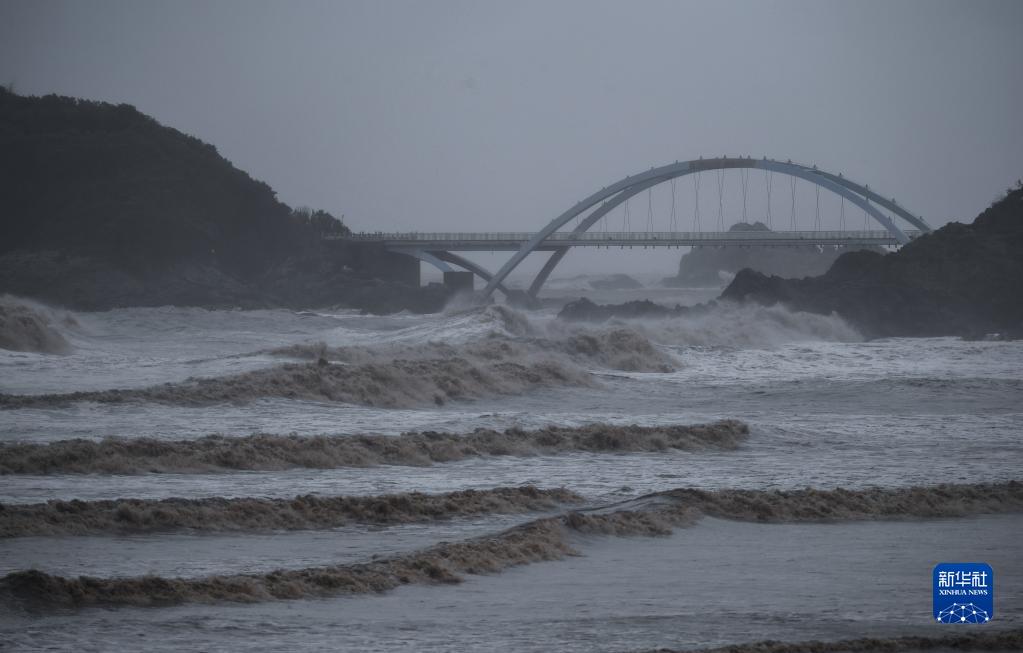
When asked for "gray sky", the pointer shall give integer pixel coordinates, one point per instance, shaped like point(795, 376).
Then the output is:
point(500, 115)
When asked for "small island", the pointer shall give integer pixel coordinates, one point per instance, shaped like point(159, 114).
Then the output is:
point(715, 266)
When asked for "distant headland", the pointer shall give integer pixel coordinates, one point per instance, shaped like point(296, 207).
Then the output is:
point(105, 207)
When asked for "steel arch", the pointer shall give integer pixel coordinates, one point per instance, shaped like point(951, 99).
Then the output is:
point(584, 226)
point(615, 194)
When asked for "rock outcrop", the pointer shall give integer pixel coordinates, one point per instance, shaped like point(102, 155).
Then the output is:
point(709, 266)
point(958, 280)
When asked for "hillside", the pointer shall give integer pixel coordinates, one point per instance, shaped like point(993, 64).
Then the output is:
point(103, 206)
point(959, 280)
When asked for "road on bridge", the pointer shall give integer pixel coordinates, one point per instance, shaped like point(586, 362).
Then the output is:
point(513, 241)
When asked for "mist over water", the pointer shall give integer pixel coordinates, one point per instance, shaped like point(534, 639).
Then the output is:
point(590, 408)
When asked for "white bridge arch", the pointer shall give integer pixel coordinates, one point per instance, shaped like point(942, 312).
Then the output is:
point(611, 196)
point(884, 210)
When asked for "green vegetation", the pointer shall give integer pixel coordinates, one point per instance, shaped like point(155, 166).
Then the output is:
point(106, 182)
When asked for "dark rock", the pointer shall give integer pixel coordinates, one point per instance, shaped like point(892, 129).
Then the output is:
point(615, 282)
point(958, 280)
point(710, 266)
point(584, 310)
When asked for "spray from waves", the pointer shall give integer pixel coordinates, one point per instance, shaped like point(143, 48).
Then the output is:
point(619, 349)
point(217, 514)
point(406, 374)
point(1004, 640)
point(538, 540)
point(732, 324)
point(27, 326)
point(722, 324)
point(508, 320)
point(716, 323)
point(275, 452)
point(535, 541)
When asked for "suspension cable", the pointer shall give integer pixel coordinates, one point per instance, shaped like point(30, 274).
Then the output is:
point(792, 185)
point(696, 209)
point(721, 199)
point(770, 180)
point(817, 211)
point(744, 176)
point(649, 209)
point(626, 218)
point(841, 214)
point(674, 216)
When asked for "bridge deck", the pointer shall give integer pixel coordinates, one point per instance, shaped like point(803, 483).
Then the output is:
point(512, 241)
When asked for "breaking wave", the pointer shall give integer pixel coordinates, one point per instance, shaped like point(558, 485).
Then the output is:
point(725, 324)
point(405, 374)
point(275, 452)
point(1006, 640)
point(535, 541)
point(539, 540)
point(510, 321)
point(952, 500)
point(618, 349)
point(715, 324)
point(31, 327)
point(731, 324)
point(309, 512)
point(218, 514)
point(394, 384)
point(507, 354)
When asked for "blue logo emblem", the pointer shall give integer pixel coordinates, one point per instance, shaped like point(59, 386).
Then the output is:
point(964, 593)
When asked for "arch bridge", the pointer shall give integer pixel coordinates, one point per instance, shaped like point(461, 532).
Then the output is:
point(897, 225)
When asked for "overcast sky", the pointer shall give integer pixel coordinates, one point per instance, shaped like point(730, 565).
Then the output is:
point(500, 115)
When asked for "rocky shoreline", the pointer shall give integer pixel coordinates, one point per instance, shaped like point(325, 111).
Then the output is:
point(89, 284)
point(961, 280)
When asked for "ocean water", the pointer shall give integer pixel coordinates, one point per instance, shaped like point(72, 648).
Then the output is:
point(825, 410)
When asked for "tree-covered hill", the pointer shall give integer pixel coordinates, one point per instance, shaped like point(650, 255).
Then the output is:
point(106, 181)
point(101, 206)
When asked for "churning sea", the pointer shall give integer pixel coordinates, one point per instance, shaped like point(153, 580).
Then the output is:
point(826, 409)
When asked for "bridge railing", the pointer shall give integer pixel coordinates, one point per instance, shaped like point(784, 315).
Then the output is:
point(592, 236)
